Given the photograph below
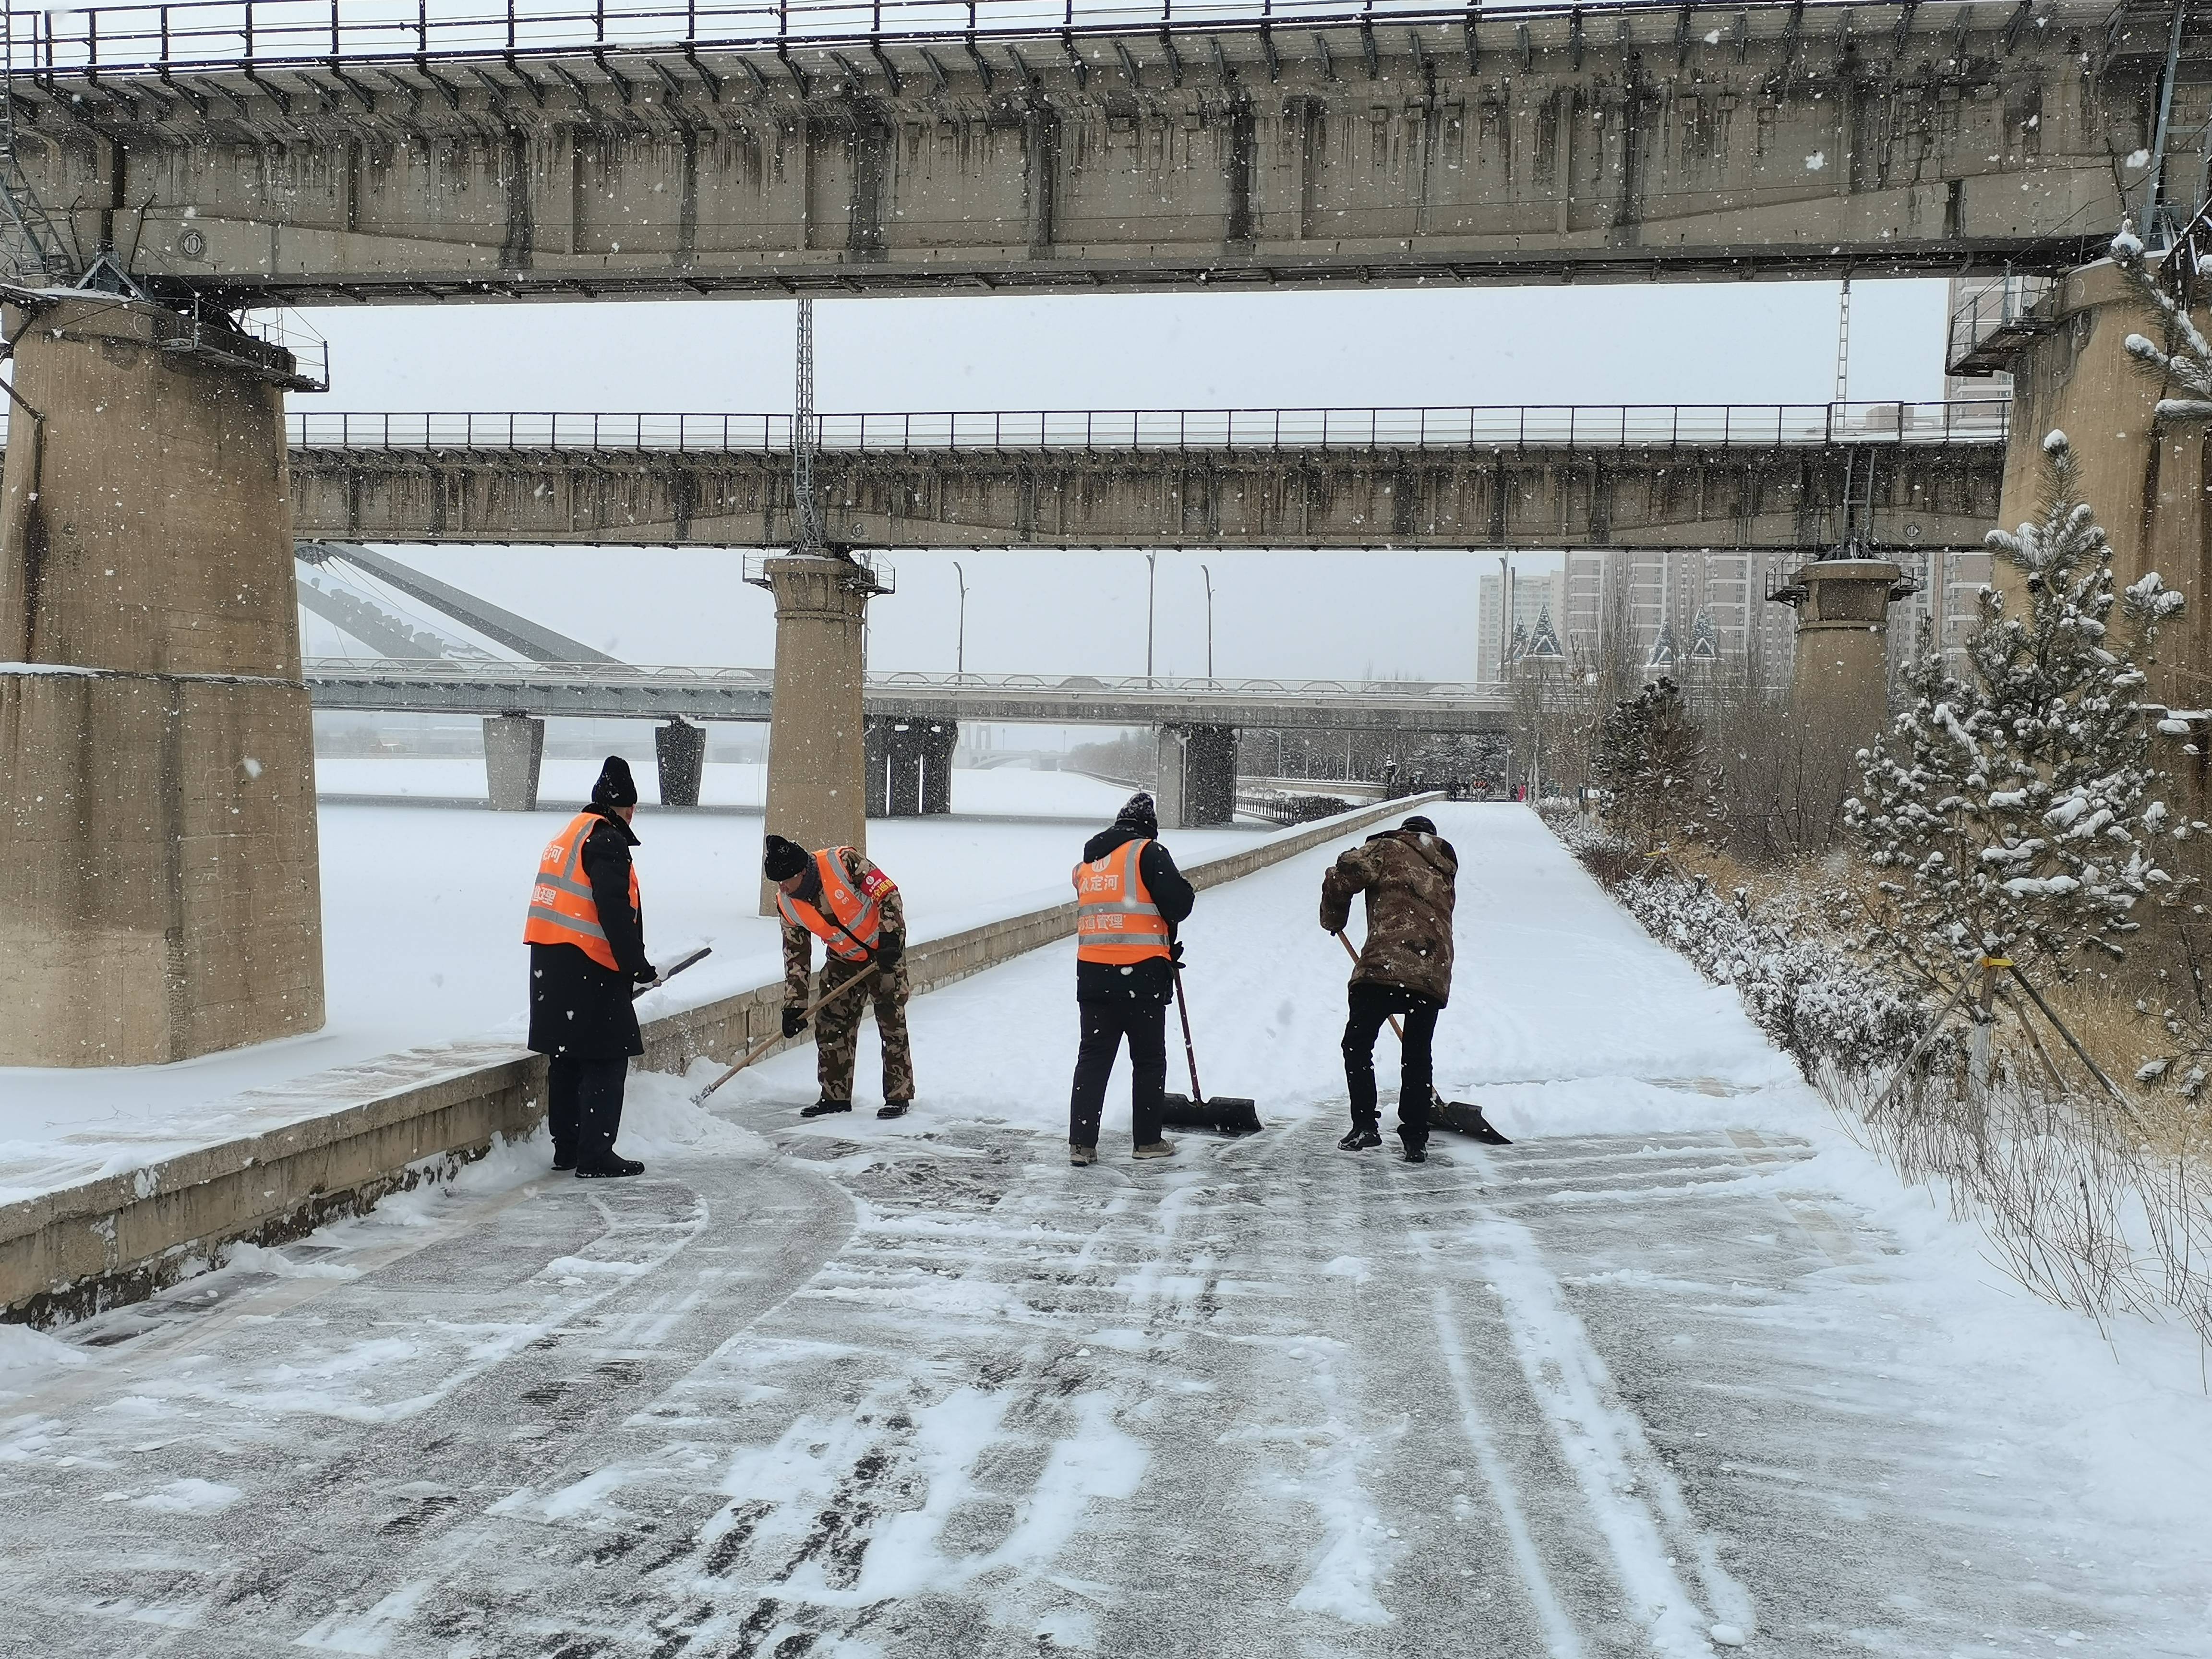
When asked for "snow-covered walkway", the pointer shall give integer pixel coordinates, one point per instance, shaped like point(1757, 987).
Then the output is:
point(1681, 1367)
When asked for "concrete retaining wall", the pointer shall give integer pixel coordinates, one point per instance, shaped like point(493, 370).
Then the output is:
point(335, 1143)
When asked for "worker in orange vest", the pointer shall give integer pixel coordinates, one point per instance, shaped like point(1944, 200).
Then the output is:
point(1129, 898)
point(835, 895)
point(587, 939)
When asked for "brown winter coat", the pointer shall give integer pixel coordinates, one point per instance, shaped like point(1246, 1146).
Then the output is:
point(1407, 876)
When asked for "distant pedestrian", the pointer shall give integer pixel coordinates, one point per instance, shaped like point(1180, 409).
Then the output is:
point(837, 895)
point(1405, 968)
point(586, 937)
point(1129, 900)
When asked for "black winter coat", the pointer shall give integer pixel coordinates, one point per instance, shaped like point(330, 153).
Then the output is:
point(1139, 982)
point(576, 1006)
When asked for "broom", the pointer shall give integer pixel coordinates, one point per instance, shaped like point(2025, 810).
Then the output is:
point(766, 1043)
point(1463, 1115)
point(1226, 1113)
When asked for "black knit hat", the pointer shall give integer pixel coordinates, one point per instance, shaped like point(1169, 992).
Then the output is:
point(1140, 812)
point(615, 786)
point(781, 859)
point(1426, 826)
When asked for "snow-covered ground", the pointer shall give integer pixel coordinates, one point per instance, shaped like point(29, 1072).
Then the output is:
point(422, 897)
point(1680, 1370)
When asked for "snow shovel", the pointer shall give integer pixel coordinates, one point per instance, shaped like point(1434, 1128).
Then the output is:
point(759, 1048)
point(1226, 1113)
point(672, 971)
point(1463, 1115)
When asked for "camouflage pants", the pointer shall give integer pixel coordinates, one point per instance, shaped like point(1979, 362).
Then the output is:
point(837, 1031)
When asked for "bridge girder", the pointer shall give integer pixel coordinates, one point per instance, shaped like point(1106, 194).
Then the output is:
point(1782, 497)
point(1555, 144)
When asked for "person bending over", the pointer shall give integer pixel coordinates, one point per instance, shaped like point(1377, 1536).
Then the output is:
point(1405, 968)
point(837, 895)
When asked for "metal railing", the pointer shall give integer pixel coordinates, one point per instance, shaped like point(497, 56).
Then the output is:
point(1572, 426)
point(2006, 304)
point(218, 34)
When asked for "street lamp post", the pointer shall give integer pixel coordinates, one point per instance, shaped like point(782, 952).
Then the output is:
point(1208, 575)
point(960, 644)
point(1151, 572)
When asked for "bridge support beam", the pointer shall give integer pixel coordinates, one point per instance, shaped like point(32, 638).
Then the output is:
point(1198, 776)
point(159, 889)
point(817, 753)
point(1839, 680)
point(909, 766)
point(679, 750)
point(515, 750)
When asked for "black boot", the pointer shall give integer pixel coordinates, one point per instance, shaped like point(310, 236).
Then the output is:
point(893, 1109)
point(564, 1158)
point(1416, 1151)
point(823, 1107)
point(1362, 1138)
point(609, 1167)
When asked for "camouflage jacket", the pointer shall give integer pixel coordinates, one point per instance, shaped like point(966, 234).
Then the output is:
point(1407, 876)
point(799, 943)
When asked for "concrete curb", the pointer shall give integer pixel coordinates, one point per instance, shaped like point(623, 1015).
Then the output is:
point(335, 1143)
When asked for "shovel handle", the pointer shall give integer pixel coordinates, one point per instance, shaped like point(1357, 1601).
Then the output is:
point(1397, 1028)
point(1190, 1049)
point(670, 972)
point(762, 1048)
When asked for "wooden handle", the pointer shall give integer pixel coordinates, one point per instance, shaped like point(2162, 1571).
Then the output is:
point(762, 1048)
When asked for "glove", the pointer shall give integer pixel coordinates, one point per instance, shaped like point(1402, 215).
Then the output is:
point(887, 953)
point(1175, 953)
point(794, 1021)
point(645, 975)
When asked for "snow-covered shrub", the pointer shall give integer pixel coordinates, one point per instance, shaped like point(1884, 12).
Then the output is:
point(1650, 762)
point(2015, 813)
point(1796, 978)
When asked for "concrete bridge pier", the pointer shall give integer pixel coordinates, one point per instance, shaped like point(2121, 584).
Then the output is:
point(1839, 680)
point(514, 753)
point(679, 750)
point(909, 766)
point(159, 889)
point(1198, 776)
point(817, 747)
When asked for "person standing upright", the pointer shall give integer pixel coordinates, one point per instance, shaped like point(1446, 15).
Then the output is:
point(835, 895)
point(1405, 968)
point(586, 937)
point(1129, 899)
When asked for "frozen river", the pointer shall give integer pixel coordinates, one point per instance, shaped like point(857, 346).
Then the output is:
point(1680, 1370)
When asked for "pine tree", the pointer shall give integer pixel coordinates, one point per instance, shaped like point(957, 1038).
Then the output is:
point(1650, 759)
point(2015, 814)
point(2185, 356)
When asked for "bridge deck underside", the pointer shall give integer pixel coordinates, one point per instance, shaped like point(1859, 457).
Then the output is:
point(1922, 496)
point(1759, 140)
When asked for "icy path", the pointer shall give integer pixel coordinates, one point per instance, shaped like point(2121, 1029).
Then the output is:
point(1679, 1359)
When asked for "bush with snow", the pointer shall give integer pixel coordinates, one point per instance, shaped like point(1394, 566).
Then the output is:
point(2181, 357)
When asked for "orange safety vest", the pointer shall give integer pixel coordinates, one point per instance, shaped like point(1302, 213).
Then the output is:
point(561, 908)
point(1115, 919)
point(857, 918)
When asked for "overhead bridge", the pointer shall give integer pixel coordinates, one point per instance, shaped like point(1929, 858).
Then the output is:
point(283, 150)
point(1780, 477)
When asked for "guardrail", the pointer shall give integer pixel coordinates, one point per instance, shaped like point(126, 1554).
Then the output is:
point(222, 33)
point(1516, 426)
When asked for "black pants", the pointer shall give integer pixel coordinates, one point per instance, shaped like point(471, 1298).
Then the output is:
point(1370, 1005)
point(584, 1107)
point(1105, 1025)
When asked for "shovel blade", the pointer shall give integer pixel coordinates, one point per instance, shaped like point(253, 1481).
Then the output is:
point(1228, 1114)
point(1466, 1117)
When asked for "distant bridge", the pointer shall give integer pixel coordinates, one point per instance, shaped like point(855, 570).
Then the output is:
point(279, 151)
point(616, 690)
point(1763, 476)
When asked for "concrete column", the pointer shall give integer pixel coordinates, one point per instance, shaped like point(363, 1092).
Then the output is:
point(879, 736)
point(938, 741)
point(514, 748)
point(1198, 776)
point(1840, 682)
point(159, 889)
point(680, 751)
point(905, 789)
point(816, 793)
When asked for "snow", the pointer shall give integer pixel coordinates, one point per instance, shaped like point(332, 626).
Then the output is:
point(1684, 1369)
point(435, 952)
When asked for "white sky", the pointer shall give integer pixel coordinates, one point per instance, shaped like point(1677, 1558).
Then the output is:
point(1275, 614)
